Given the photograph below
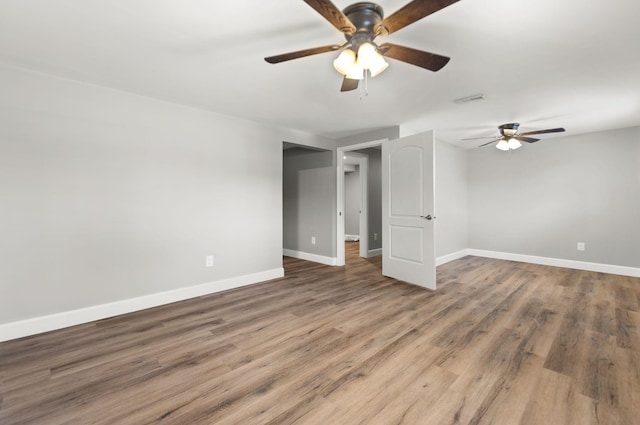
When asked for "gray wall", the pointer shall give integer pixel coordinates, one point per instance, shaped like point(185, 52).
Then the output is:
point(309, 191)
point(544, 198)
point(451, 206)
point(107, 196)
point(352, 201)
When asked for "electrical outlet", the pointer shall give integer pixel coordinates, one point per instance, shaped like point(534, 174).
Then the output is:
point(375, 236)
point(581, 246)
point(209, 261)
point(313, 240)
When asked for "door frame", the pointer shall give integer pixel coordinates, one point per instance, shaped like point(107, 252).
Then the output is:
point(364, 229)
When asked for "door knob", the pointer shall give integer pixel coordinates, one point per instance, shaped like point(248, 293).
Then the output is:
point(427, 217)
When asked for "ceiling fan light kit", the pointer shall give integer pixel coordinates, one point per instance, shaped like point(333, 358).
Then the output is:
point(361, 23)
point(508, 145)
point(353, 66)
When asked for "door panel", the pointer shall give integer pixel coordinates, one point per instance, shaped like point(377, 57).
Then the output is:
point(407, 204)
point(407, 243)
point(406, 189)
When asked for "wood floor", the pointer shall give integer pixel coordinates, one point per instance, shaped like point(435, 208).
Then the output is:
point(498, 343)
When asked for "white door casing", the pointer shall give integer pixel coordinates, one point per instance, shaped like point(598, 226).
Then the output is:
point(408, 234)
point(340, 201)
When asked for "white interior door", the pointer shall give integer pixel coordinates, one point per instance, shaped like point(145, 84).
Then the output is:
point(408, 252)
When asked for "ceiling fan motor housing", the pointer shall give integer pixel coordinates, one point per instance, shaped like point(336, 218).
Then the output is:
point(509, 130)
point(364, 16)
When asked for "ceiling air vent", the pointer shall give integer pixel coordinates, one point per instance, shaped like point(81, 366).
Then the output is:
point(471, 98)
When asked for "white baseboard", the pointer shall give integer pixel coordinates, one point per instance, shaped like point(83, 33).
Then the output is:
point(374, 252)
point(557, 262)
point(52, 322)
point(351, 238)
point(329, 261)
point(451, 257)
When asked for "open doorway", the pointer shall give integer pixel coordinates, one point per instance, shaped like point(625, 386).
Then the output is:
point(355, 200)
point(367, 158)
point(308, 202)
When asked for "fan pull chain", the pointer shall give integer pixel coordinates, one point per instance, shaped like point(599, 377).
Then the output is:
point(365, 88)
point(366, 83)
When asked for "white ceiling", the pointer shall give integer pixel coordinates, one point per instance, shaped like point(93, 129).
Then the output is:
point(543, 63)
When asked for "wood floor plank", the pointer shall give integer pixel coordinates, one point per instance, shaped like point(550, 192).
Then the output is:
point(627, 329)
point(604, 310)
point(555, 400)
point(395, 383)
point(499, 342)
point(628, 363)
point(598, 378)
point(562, 357)
point(417, 401)
point(507, 400)
point(475, 392)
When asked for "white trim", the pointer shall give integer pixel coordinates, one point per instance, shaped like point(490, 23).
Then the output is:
point(329, 261)
point(351, 238)
point(36, 325)
point(374, 252)
point(364, 241)
point(363, 225)
point(451, 257)
point(557, 262)
point(339, 208)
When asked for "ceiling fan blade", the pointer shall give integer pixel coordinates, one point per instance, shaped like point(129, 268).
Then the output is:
point(526, 139)
point(410, 13)
point(302, 53)
point(348, 84)
point(332, 14)
point(488, 143)
point(551, 130)
point(426, 60)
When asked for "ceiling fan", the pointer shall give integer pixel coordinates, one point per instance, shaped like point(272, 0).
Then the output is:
point(510, 139)
point(361, 23)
